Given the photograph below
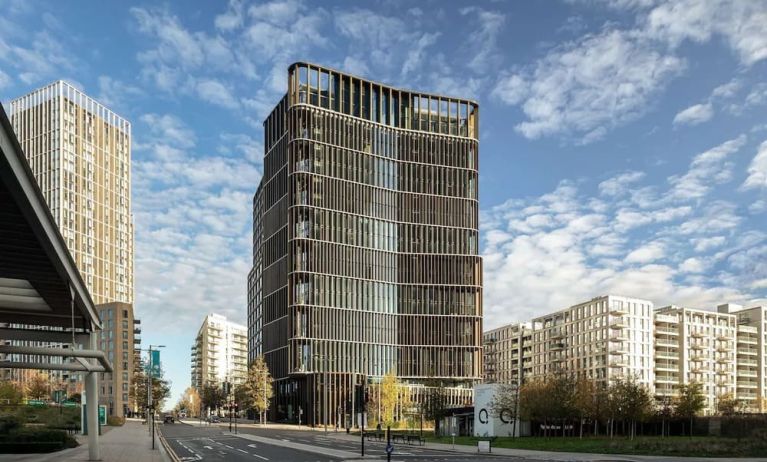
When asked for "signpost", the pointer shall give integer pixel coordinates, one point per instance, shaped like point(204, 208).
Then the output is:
point(102, 414)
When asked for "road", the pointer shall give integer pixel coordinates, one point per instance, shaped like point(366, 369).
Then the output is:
point(195, 443)
point(210, 443)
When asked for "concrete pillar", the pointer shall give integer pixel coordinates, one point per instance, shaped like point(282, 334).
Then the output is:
point(92, 393)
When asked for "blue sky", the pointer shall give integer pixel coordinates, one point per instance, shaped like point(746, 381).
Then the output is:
point(623, 142)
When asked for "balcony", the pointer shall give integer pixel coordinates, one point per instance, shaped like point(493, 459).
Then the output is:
point(665, 331)
point(666, 343)
point(618, 311)
point(618, 338)
point(618, 363)
point(618, 351)
point(723, 372)
point(748, 351)
point(667, 367)
point(697, 334)
point(742, 373)
point(747, 341)
point(666, 355)
point(618, 323)
point(697, 346)
point(747, 384)
point(723, 349)
point(557, 346)
point(666, 379)
point(748, 362)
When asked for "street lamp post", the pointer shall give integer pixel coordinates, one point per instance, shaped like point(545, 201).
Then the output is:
point(150, 409)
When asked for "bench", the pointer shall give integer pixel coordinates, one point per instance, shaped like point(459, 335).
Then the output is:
point(415, 439)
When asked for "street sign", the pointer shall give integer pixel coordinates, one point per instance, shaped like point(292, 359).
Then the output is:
point(102, 414)
point(69, 404)
point(389, 448)
point(35, 402)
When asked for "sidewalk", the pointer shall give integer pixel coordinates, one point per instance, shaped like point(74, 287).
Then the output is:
point(129, 443)
point(563, 456)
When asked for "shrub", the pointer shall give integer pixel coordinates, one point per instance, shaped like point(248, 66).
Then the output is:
point(9, 423)
point(114, 421)
point(37, 440)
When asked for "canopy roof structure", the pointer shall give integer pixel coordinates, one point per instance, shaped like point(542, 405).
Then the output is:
point(40, 285)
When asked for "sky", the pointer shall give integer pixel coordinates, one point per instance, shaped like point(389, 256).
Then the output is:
point(623, 143)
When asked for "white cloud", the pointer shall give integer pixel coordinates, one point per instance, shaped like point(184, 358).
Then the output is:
point(757, 171)
point(740, 22)
point(647, 253)
point(483, 42)
point(231, 18)
point(694, 115)
point(706, 170)
point(692, 265)
point(589, 85)
point(114, 93)
point(620, 184)
point(169, 129)
point(5, 80)
point(216, 93)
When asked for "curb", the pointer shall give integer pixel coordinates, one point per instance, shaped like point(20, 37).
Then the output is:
point(166, 449)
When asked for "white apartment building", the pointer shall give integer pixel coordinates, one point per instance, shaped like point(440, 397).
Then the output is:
point(702, 350)
point(602, 339)
point(614, 336)
point(508, 353)
point(219, 353)
point(751, 358)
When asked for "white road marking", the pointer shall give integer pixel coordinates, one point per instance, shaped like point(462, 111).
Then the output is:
point(206, 447)
point(260, 457)
point(241, 450)
point(250, 445)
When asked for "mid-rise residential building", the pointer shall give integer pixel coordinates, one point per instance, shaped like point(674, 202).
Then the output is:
point(604, 338)
point(80, 154)
point(117, 340)
point(751, 356)
point(508, 353)
point(366, 256)
point(620, 337)
point(705, 347)
point(219, 353)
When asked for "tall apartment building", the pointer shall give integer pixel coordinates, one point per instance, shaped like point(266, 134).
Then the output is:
point(366, 223)
point(602, 339)
point(704, 352)
point(508, 353)
point(80, 154)
point(117, 340)
point(219, 353)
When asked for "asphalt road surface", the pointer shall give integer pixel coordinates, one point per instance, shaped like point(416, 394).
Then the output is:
point(194, 443)
point(214, 443)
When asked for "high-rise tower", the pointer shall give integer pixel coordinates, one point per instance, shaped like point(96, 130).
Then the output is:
point(80, 153)
point(365, 244)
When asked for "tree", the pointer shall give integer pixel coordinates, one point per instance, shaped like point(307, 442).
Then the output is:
point(690, 401)
point(585, 401)
point(435, 403)
point(189, 402)
point(665, 412)
point(160, 390)
point(389, 395)
point(11, 393)
point(212, 396)
point(535, 401)
point(727, 405)
point(633, 400)
point(257, 391)
point(38, 386)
